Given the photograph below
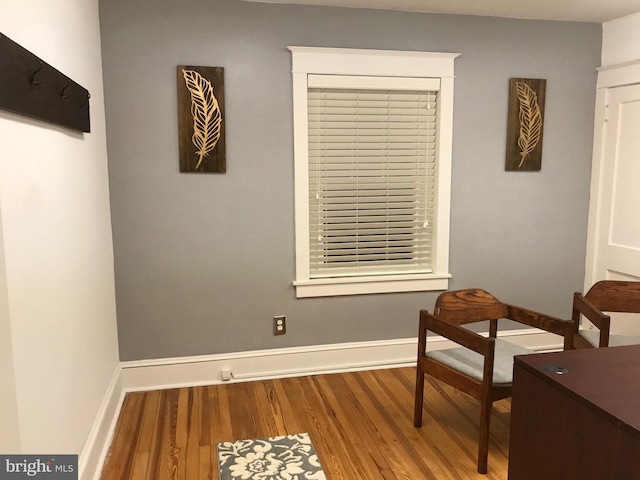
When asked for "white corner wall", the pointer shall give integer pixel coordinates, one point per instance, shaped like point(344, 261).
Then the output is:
point(621, 40)
point(59, 302)
point(10, 437)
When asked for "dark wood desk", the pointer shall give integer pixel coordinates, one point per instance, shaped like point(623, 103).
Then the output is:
point(583, 424)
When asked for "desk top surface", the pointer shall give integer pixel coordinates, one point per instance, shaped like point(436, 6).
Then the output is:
point(606, 380)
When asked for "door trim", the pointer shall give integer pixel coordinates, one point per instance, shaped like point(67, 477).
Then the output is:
point(608, 77)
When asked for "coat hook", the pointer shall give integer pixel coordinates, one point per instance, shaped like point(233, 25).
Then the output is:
point(85, 102)
point(62, 95)
point(32, 76)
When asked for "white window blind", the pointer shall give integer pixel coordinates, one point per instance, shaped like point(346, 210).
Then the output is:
point(372, 161)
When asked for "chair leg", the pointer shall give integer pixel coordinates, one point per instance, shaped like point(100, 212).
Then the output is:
point(419, 397)
point(422, 348)
point(483, 448)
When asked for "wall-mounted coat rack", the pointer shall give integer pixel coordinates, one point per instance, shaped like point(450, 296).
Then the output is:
point(32, 87)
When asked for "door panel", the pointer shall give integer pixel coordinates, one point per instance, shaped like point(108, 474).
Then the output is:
point(625, 207)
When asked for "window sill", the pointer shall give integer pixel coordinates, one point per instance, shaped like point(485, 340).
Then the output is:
point(328, 287)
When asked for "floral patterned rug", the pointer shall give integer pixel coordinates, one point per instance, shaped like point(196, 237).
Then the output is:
point(277, 458)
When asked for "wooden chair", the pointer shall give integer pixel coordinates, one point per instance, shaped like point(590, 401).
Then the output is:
point(481, 367)
point(605, 296)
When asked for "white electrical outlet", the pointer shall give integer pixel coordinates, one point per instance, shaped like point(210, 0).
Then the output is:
point(226, 374)
point(279, 325)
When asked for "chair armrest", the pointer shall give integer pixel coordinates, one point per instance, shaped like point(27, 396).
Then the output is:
point(456, 334)
point(559, 326)
point(582, 306)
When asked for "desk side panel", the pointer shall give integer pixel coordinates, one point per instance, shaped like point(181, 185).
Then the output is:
point(554, 437)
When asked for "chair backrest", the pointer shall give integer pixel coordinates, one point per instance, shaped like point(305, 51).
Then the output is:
point(615, 296)
point(468, 306)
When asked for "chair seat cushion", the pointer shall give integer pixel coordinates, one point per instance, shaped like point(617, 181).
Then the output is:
point(615, 340)
point(472, 363)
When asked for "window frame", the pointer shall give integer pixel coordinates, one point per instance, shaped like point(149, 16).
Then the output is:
point(371, 63)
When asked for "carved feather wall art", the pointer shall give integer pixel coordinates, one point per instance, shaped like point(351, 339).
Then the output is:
point(201, 119)
point(525, 124)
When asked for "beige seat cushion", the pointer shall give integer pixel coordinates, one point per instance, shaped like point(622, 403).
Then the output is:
point(472, 363)
point(615, 340)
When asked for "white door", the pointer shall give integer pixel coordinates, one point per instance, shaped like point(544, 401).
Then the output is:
point(614, 230)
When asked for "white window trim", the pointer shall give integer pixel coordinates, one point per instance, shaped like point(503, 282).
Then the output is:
point(384, 63)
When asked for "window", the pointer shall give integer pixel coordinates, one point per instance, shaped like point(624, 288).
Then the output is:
point(372, 134)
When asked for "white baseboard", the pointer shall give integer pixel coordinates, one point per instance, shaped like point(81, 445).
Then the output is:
point(261, 365)
point(95, 450)
point(297, 361)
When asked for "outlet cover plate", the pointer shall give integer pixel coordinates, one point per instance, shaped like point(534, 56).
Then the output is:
point(279, 325)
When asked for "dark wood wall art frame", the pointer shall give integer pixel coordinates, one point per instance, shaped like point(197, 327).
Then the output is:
point(31, 87)
point(525, 124)
point(201, 119)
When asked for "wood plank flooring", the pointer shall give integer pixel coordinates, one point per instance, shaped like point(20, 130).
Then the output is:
point(361, 424)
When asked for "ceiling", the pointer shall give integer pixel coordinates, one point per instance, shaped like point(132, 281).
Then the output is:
point(597, 11)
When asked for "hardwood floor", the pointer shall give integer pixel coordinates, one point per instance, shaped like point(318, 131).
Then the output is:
point(361, 424)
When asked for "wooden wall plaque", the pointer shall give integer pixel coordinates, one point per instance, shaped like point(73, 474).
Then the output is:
point(525, 124)
point(29, 86)
point(201, 119)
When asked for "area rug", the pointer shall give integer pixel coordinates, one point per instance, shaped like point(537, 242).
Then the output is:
point(292, 457)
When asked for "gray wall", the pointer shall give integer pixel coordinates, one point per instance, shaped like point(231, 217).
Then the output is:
point(203, 261)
